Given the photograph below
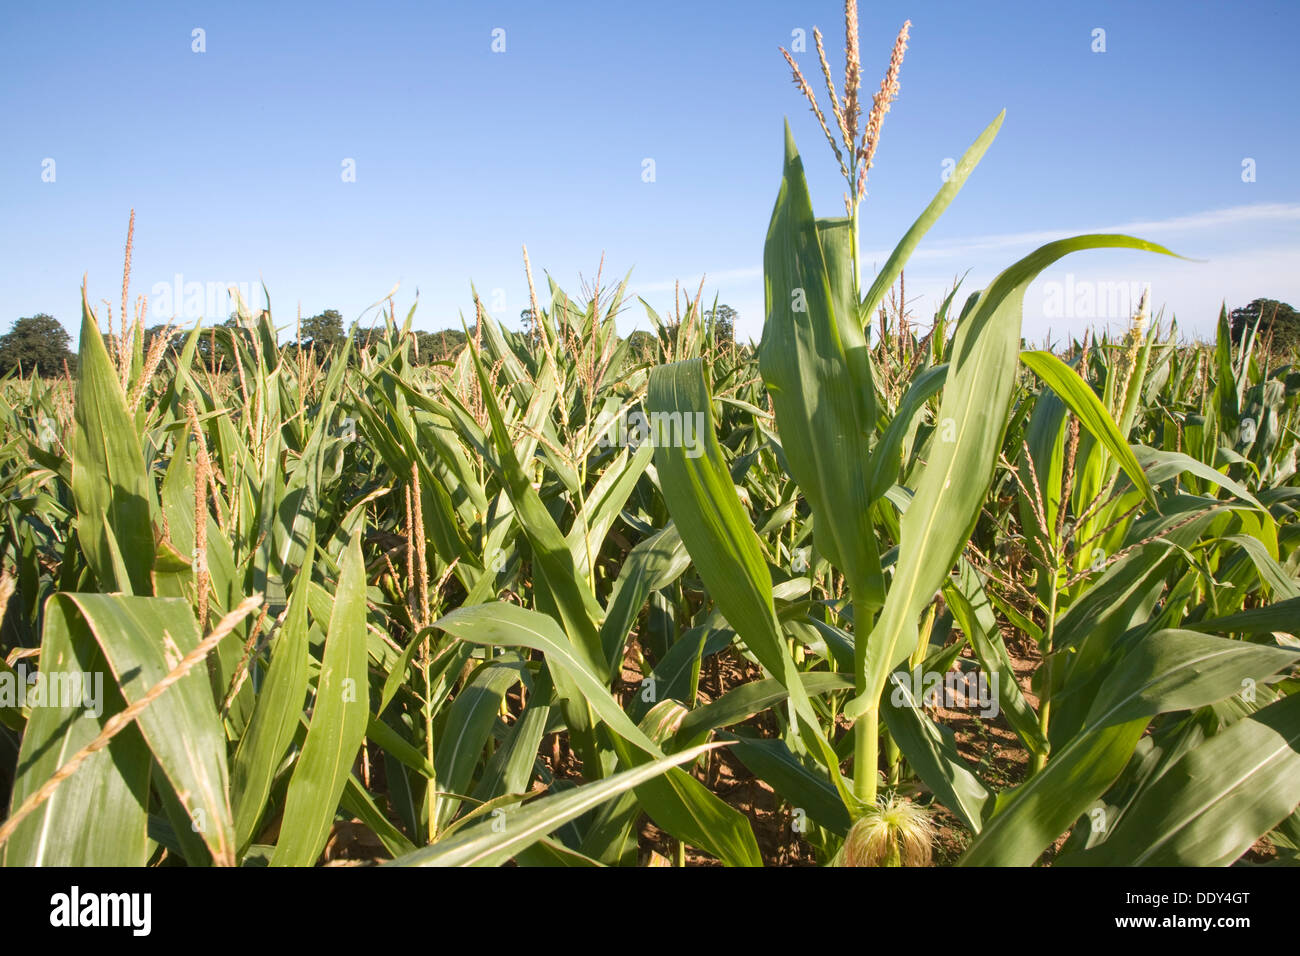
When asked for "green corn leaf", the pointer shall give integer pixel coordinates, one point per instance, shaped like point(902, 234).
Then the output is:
point(814, 361)
point(1211, 806)
point(682, 805)
point(893, 266)
point(97, 816)
point(610, 838)
point(654, 563)
point(109, 483)
point(887, 458)
point(959, 470)
point(143, 639)
point(676, 674)
point(469, 725)
point(933, 756)
point(359, 803)
point(1281, 616)
point(603, 505)
point(338, 722)
point(390, 740)
point(511, 768)
point(1167, 671)
point(1041, 472)
point(1081, 399)
point(970, 606)
point(1162, 465)
point(1122, 599)
point(562, 589)
point(276, 716)
point(489, 844)
point(772, 762)
point(718, 535)
point(750, 699)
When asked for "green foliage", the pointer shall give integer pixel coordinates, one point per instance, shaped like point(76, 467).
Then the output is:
point(394, 516)
point(38, 344)
point(641, 346)
point(323, 332)
point(722, 320)
point(516, 589)
point(1274, 319)
point(439, 346)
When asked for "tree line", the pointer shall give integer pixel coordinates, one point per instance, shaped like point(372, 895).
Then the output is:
point(41, 344)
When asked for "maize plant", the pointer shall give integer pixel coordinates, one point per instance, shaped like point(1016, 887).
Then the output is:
point(557, 598)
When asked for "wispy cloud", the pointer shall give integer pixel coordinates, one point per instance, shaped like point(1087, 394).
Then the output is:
point(1212, 219)
point(969, 246)
point(1194, 293)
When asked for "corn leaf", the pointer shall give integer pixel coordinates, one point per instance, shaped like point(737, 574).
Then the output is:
point(1081, 399)
point(492, 843)
point(109, 483)
point(718, 535)
point(143, 639)
point(1211, 806)
point(682, 805)
point(959, 470)
point(1169, 670)
point(338, 722)
point(114, 781)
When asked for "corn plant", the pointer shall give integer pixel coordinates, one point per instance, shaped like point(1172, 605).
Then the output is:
point(458, 612)
point(844, 455)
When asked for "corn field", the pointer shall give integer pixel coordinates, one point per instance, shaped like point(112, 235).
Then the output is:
point(871, 593)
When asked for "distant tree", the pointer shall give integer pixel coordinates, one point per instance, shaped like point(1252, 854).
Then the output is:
point(324, 331)
point(36, 343)
point(723, 319)
point(641, 346)
point(445, 343)
point(425, 345)
point(527, 320)
point(363, 340)
point(212, 350)
point(1278, 317)
point(429, 347)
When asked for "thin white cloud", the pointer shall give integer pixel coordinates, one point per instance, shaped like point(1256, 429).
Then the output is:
point(1212, 219)
point(969, 245)
point(1193, 294)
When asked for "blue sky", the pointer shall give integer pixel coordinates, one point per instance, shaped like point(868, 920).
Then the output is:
point(233, 158)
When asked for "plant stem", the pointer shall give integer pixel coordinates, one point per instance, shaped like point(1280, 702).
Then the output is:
point(1045, 700)
point(431, 788)
point(866, 754)
point(893, 757)
point(866, 732)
